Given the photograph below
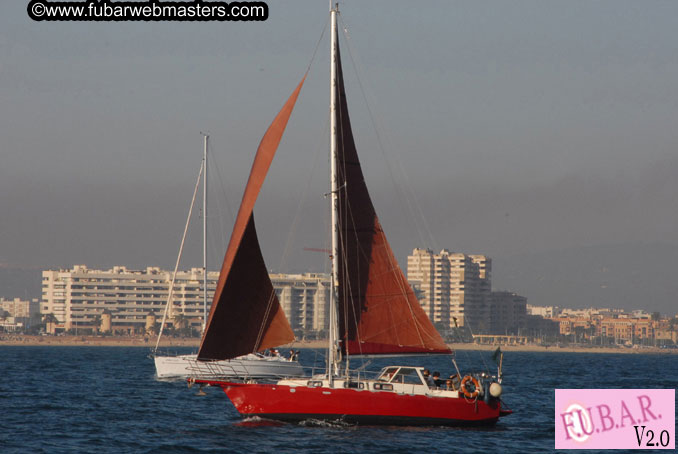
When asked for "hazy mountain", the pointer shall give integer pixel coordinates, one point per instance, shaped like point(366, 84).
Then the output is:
point(629, 276)
point(20, 283)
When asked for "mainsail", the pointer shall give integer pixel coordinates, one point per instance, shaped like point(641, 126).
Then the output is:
point(378, 311)
point(246, 316)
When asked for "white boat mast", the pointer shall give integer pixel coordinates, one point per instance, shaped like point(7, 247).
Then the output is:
point(204, 235)
point(170, 293)
point(332, 365)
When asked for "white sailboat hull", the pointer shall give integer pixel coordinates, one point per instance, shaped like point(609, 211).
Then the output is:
point(248, 366)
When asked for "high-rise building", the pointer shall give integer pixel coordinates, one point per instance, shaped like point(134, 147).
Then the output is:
point(454, 286)
point(431, 274)
point(484, 272)
point(507, 312)
point(479, 311)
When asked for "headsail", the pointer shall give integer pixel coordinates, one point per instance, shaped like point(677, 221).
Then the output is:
point(378, 311)
point(245, 315)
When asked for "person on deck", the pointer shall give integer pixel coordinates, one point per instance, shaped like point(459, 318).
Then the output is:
point(427, 377)
point(453, 382)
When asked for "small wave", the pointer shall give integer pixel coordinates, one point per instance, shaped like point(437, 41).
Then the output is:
point(311, 422)
point(257, 421)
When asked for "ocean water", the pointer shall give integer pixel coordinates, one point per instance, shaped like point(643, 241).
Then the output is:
point(106, 399)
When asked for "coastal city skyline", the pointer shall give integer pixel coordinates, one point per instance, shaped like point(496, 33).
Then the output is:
point(25, 283)
point(542, 137)
point(454, 290)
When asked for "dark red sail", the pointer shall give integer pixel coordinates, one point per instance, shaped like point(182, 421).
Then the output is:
point(378, 311)
point(246, 316)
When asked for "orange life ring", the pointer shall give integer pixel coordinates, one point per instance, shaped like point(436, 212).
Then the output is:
point(476, 387)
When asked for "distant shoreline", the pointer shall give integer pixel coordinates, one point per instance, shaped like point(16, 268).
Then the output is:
point(149, 342)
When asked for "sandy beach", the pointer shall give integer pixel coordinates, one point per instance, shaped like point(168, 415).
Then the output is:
point(95, 341)
point(149, 342)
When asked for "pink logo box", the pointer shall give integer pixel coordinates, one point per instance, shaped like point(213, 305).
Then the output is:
point(615, 418)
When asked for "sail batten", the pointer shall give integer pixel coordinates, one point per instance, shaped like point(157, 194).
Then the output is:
point(378, 311)
point(246, 315)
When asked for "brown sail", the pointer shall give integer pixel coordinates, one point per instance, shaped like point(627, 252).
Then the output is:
point(246, 316)
point(378, 311)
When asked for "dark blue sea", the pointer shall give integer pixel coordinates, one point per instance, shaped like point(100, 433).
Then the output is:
point(107, 400)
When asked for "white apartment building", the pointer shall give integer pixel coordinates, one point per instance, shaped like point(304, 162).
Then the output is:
point(543, 311)
point(16, 314)
point(431, 274)
point(305, 299)
point(80, 296)
point(133, 300)
point(20, 309)
point(453, 286)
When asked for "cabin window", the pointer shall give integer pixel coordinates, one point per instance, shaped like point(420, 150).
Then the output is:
point(354, 385)
point(407, 376)
point(388, 373)
point(383, 386)
point(314, 384)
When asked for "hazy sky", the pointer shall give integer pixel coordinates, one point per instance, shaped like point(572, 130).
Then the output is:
point(517, 126)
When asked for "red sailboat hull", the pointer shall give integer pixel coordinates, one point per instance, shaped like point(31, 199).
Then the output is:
point(286, 403)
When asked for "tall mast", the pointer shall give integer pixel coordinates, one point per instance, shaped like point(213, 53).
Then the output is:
point(204, 234)
point(334, 184)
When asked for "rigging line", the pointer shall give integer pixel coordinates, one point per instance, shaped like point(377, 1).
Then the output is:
point(213, 164)
point(267, 313)
point(170, 293)
point(399, 192)
point(347, 287)
point(482, 358)
point(214, 245)
point(289, 242)
point(269, 307)
point(354, 309)
point(460, 339)
point(302, 200)
point(348, 216)
point(272, 296)
point(381, 147)
point(346, 209)
point(360, 251)
point(403, 288)
point(317, 45)
point(327, 220)
point(393, 267)
point(416, 205)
